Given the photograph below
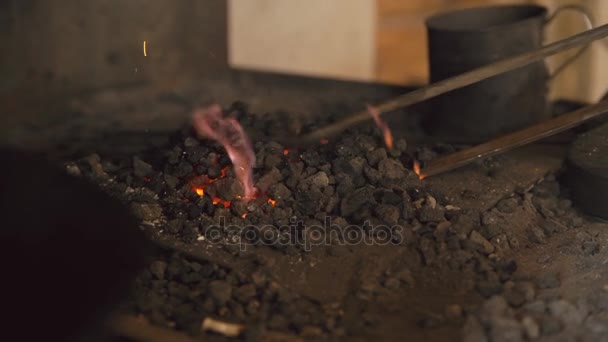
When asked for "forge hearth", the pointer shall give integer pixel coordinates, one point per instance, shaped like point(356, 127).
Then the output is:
point(345, 240)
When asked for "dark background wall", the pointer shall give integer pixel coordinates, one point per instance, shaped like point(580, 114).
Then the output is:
point(81, 44)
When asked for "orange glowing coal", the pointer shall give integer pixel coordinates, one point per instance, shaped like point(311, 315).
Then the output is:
point(285, 152)
point(417, 170)
point(198, 185)
point(217, 200)
point(272, 202)
point(244, 215)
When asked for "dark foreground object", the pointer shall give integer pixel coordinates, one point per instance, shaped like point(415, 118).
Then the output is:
point(68, 254)
point(588, 172)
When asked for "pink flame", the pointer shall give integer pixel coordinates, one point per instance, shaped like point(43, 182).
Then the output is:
point(386, 131)
point(210, 123)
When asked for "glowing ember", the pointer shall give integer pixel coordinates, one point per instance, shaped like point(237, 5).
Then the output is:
point(272, 202)
point(199, 191)
point(386, 131)
point(285, 152)
point(210, 123)
point(244, 215)
point(417, 170)
point(217, 200)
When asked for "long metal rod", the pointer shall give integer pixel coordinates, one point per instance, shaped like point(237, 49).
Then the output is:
point(512, 140)
point(451, 84)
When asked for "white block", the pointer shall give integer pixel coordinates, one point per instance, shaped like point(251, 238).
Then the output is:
point(323, 38)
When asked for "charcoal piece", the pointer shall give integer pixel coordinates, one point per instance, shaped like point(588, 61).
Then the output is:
point(311, 158)
point(272, 161)
point(183, 169)
point(141, 168)
point(355, 200)
point(537, 235)
point(279, 191)
point(346, 149)
point(427, 251)
point(214, 172)
point(507, 205)
point(385, 196)
point(365, 143)
point(341, 165)
point(489, 217)
point(492, 230)
point(376, 156)
point(191, 142)
point(227, 188)
point(97, 170)
point(319, 180)
point(238, 207)
point(171, 181)
point(194, 211)
point(269, 179)
point(430, 213)
point(190, 232)
point(387, 213)
point(196, 154)
point(220, 291)
point(201, 169)
point(175, 226)
point(308, 202)
point(206, 204)
point(158, 268)
point(441, 231)
point(465, 221)
point(245, 293)
point(174, 156)
point(146, 211)
point(357, 164)
point(372, 175)
point(345, 186)
point(391, 169)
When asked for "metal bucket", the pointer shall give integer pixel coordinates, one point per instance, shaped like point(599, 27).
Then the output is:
point(463, 40)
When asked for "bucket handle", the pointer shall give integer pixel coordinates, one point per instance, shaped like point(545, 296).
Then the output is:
point(589, 21)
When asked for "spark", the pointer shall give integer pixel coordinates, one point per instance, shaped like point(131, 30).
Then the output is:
point(145, 50)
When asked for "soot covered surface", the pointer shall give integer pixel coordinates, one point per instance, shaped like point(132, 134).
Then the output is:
point(403, 260)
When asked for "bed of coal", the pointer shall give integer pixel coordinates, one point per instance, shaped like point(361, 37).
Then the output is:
point(345, 241)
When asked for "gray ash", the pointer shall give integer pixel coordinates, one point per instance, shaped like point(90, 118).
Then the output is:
point(186, 189)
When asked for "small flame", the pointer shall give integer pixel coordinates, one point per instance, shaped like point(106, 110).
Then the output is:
point(272, 202)
point(386, 131)
point(417, 170)
point(217, 200)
